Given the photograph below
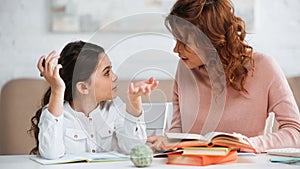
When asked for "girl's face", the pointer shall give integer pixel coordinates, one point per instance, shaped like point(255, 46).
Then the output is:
point(104, 80)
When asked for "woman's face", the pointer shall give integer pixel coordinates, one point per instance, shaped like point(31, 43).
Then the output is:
point(104, 80)
point(186, 51)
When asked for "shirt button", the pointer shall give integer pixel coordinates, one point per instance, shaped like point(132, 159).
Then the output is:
point(75, 136)
point(93, 151)
point(136, 129)
point(56, 120)
point(92, 135)
point(109, 131)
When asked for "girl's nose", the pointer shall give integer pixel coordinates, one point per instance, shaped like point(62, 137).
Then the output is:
point(115, 77)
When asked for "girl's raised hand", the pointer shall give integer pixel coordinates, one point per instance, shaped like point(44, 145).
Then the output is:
point(50, 71)
point(134, 105)
point(142, 87)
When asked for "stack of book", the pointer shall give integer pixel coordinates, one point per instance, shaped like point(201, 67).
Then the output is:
point(198, 150)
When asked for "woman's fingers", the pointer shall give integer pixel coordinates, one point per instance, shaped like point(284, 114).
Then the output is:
point(151, 139)
point(157, 143)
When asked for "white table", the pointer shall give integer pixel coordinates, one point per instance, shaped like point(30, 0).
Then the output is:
point(243, 162)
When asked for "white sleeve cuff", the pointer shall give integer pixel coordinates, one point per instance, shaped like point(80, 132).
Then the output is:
point(49, 116)
point(134, 119)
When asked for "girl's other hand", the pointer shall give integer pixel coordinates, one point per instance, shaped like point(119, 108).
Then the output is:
point(142, 87)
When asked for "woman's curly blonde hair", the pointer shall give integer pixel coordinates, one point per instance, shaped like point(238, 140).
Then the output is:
point(226, 32)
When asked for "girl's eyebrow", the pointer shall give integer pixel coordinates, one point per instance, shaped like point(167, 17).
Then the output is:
point(107, 67)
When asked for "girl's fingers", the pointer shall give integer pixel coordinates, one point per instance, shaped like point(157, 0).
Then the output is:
point(132, 89)
point(40, 64)
point(50, 63)
point(154, 85)
point(47, 61)
point(143, 87)
point(56, 69)
point(150, 81)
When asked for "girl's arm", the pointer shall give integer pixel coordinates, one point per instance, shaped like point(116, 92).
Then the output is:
point(51, 144)
point(51, 74)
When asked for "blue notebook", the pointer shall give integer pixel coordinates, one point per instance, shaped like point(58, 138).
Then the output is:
point(285, 160)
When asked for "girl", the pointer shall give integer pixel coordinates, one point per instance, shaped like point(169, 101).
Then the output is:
point(79, 113)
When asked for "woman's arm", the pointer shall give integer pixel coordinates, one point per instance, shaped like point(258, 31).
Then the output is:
point(281, 101)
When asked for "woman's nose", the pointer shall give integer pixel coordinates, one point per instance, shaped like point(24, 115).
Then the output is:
point(175, 50)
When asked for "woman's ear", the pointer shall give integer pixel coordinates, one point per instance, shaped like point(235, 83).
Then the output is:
point(82, 87)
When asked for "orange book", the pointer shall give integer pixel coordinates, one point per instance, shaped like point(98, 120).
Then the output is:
point(233, 141)
point(200, 160)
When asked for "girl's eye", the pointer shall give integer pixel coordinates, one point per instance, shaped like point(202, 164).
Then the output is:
point(107, 73)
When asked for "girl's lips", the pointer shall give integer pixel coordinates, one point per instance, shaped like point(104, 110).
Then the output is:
point(183, 58)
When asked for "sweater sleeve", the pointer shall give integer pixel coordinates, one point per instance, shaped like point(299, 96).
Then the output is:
point(281, 101)
point(176, 126)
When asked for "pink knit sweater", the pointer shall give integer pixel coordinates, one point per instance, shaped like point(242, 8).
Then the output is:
point(238, 112)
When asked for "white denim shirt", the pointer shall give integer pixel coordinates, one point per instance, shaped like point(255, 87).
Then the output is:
point(108, 128)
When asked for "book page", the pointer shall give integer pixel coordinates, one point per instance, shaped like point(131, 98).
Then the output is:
point(212, 135)
point(68, 158)
point(85, 157)
point(184, 136)
point(105, 156)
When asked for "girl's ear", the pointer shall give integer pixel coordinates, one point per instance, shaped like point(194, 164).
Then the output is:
point(82, 87)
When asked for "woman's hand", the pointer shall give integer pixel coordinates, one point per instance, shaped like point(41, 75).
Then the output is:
point(136, 90)
point(51, 72)
point(157, 143)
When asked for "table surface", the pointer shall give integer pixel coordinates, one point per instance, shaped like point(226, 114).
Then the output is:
point(244, 162)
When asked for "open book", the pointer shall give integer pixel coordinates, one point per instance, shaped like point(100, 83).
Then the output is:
point(85, 157)
point(179, 140)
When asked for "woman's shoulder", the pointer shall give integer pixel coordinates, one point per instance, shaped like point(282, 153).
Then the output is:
point(266, 66)
point(264, 61)
point(261, 58)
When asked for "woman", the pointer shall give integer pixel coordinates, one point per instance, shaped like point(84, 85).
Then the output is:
point(221, 83)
